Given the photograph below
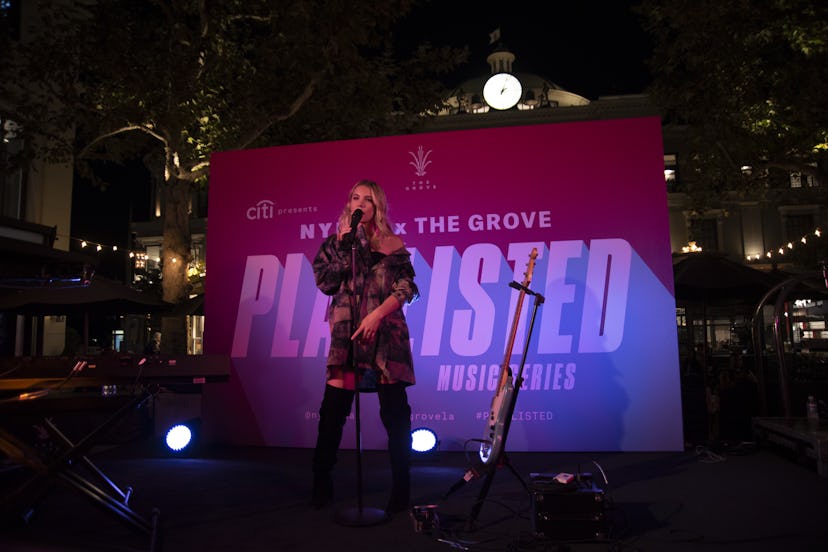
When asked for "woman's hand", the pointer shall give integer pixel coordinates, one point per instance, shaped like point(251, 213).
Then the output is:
point(343, 231)
point(368, 327)
point(370, 324)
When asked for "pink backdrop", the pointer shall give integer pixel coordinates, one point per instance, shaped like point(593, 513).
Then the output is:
point(601, 371)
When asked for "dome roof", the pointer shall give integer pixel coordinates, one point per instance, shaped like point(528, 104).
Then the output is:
point(537, 93)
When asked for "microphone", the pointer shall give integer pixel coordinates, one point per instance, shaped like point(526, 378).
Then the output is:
point(356, 216)
point(348, 239)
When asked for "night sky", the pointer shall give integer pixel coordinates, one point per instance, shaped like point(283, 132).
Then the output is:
point(102, 215)
point(588, 50)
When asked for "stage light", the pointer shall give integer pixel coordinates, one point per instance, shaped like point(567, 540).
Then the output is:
point(179, 437)
point(423, 440)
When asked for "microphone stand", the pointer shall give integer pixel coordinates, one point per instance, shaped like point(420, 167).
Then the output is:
point(360, 516)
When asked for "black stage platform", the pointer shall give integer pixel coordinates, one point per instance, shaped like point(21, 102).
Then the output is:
point(736, 498)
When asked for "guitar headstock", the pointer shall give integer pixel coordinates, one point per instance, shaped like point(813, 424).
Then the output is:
point(530, 267)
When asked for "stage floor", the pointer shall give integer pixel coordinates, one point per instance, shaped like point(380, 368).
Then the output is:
point(256, 499)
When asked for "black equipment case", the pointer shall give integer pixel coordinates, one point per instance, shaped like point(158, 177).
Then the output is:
point(567, 511)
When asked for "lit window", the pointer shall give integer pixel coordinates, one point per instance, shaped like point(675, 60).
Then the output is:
point(670, 171)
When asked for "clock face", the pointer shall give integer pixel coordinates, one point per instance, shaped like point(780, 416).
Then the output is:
point(502, 91)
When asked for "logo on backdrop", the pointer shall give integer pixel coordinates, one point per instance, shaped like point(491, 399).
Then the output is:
point(261, 211)
point(266, 210)
point(420, 161)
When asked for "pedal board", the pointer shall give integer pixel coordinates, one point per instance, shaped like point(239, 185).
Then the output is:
point(567, 507)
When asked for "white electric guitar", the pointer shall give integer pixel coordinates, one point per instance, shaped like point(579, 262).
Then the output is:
point(492, 445)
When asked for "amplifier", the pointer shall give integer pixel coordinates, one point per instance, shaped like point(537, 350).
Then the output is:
point(567, 507)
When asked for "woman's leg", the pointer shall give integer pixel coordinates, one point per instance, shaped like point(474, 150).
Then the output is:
point(396, 417)
point(336, 406)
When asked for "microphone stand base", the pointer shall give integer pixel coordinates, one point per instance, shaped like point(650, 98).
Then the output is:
point(361, 517)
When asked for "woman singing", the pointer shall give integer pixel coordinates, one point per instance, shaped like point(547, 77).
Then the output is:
point(376, 341)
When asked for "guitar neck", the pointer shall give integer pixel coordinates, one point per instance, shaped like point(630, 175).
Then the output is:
point(505, 369)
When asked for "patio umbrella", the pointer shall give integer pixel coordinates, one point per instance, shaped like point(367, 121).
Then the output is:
point(714, 279)
point(98, 295)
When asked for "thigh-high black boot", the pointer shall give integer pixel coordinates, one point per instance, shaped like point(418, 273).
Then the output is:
point(396, 417)
point(336, 406)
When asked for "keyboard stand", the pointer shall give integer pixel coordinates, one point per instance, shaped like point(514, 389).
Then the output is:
point(64, 469)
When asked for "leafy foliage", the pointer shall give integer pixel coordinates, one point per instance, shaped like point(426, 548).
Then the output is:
point(175, 81)
point(747, 80)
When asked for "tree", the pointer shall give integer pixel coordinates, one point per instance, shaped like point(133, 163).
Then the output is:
point(748, 81)
point(176, 81)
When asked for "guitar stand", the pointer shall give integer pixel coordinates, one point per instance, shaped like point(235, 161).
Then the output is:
point(502, 459)
point(111, 498)
point(484, 490)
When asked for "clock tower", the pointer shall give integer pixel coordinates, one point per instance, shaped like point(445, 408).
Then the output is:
point(502, 90)
point(503, 93)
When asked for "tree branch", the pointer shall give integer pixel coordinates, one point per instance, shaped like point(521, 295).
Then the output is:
point(122, 130)
point(294, 107)
point(202, 167)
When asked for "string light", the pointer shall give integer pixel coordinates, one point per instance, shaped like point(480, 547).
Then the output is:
point(781, 251)
point(140, 258)
point(103, 248)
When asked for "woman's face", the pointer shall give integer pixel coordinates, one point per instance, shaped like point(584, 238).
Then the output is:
point(362, 199)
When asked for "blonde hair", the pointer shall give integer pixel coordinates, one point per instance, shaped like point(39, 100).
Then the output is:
point(381, 223)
